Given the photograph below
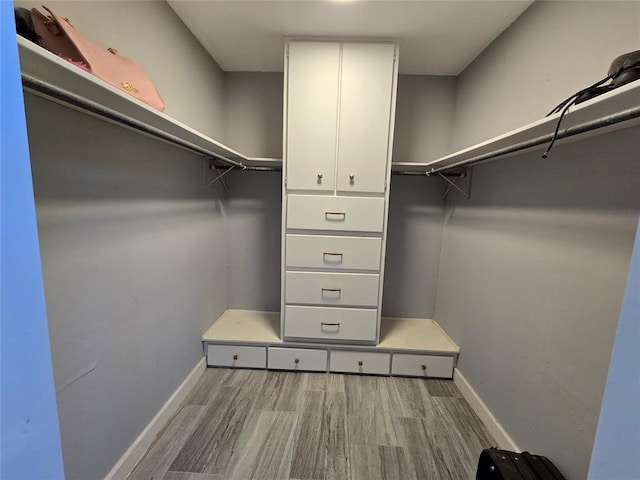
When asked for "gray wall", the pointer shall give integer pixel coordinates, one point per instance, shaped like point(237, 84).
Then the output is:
point(133, 246)
point(254, 113)
point(254, 215)
point(254, 124)
point(414, 238)
point(532, 275)
point(188, 80)
point(533, 267)
point(423, 131)
point(424, 118)
point(134, 265)
point(552, 50)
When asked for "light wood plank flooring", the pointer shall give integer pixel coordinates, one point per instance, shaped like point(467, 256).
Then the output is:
point(258, 424)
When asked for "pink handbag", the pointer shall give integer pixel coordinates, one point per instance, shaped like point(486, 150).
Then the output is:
point(57, 35)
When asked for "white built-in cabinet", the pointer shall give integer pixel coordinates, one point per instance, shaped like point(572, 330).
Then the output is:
point(340, 99)
point(311, 94)
point(338, 130)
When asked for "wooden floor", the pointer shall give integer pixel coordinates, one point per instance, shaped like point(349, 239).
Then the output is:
point(258, 424)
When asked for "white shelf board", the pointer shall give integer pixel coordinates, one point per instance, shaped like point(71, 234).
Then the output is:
point(46, 67)
point(414, 334)
point(615, 101)
point(251, 327)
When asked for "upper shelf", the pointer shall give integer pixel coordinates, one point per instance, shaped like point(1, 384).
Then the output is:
point(590, 118)
point(45, 68)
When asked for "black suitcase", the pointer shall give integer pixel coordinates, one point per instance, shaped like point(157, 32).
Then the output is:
point(497, 464)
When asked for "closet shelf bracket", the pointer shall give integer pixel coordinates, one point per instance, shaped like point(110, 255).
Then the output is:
point(452, 184)
point(220, 173)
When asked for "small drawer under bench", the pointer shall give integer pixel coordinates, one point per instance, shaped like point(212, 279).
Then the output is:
point(433, 366)
point(373, 363)
point(236, 356)
point(302, 359)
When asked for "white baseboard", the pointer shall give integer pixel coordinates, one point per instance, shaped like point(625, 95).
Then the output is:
point(495, 429)
point(133, 454)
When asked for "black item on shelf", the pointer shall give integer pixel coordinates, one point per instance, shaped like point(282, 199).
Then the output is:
point(495, 464)
point(24, 25)
point(624, 69)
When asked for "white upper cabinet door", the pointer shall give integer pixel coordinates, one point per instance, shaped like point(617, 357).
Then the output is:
point(312, 113)
point(365, 116)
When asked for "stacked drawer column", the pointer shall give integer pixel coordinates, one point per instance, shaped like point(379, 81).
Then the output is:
point(339, 108)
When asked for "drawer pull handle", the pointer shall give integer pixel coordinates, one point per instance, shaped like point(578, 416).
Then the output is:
point(335, 254)
point(424, 367)
point(331, 289)
point(351, 177)
point(235, 357)
point(329, 324)
point(335, 214)
point(319, 176)
point(360, 363)
point(296, 361)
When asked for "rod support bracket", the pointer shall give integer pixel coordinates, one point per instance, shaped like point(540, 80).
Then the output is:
point(452, 184)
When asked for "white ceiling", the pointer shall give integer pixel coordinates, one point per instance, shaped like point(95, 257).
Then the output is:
point(437, 37)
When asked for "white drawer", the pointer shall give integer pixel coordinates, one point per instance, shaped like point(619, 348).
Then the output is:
point(342, 253)
point(297, 359)
point(236, 356)
point(422, 365)
point(352, 289)
point(328, 323)
point(311, 212)
point(359, 362)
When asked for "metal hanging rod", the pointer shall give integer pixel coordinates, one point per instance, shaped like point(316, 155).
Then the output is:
point(426, 173)
point(252, 168)
point(263, 169)
point(393, 172)
point(33, 84)
point(249, 168)
point(606, 121)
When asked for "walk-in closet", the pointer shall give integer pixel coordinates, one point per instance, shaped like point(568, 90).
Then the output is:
point(338, 253)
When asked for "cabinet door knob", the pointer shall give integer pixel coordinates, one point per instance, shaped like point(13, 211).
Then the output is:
point(351, 177)
point(359, 363)
point(296, 361)
point(235, 357)
point(424, 367)
point(319, 176)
